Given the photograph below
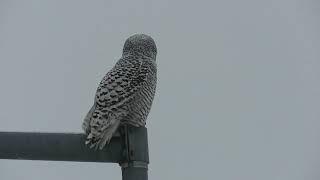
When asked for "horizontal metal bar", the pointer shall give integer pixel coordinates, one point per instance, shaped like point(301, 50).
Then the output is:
point(56, 147)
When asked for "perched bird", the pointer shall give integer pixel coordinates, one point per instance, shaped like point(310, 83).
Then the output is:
point(125, 94)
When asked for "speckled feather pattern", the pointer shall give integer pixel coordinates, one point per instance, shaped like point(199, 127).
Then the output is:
point(125, 94)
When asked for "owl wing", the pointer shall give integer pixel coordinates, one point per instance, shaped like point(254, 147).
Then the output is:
point(120, 84)
point(86, 121)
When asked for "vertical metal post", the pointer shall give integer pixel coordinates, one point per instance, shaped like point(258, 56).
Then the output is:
point(135, 163)
point(134, 173)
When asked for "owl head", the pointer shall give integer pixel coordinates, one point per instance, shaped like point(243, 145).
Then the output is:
point(140, 45)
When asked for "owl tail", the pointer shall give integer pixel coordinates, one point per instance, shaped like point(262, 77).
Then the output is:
point(101, 135)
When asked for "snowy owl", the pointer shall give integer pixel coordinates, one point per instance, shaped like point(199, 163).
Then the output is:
point(125, 94)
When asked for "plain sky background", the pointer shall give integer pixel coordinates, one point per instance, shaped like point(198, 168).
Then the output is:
point(238, 91)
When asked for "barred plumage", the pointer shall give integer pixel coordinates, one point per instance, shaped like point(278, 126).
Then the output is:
point(125, 94)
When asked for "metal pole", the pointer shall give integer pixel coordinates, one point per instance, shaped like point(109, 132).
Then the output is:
point(129, 148)
point(56, 147)
point(134, 173)
point(135, 166)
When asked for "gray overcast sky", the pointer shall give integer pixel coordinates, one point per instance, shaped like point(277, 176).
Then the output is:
point(238, 92)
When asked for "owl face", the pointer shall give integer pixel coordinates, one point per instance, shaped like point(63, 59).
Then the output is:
point(140, 44)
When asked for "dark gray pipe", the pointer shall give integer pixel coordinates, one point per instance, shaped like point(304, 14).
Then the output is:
point(129, 149)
